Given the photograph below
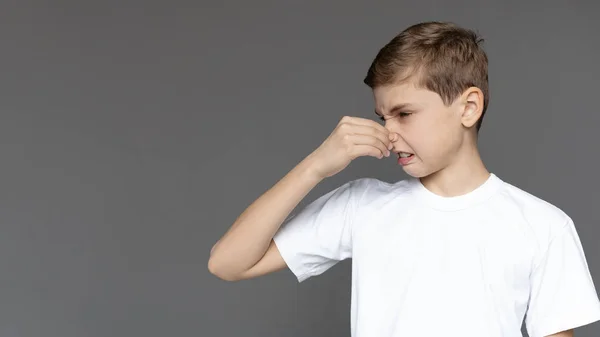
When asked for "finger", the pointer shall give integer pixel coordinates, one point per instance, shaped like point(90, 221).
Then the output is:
point(367, 122)
point(365, 150)
point(372, 132)
point(359, 139)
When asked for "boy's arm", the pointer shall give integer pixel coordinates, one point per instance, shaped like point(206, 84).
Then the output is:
point(247, 249)
point(562, 295)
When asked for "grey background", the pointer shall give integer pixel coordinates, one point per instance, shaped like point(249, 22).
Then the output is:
point(133, 133)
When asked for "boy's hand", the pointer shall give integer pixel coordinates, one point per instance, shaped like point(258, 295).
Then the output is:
point(353, 137)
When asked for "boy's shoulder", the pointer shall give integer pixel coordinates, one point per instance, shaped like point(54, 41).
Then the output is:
point(539, 214)
point(532, 205)
point(507, 194)
point(512, 201)
point(370, 189)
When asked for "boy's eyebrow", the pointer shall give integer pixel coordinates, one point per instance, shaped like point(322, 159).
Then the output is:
point(398, 107)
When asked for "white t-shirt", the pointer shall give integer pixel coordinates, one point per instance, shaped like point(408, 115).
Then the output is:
point(426, 265)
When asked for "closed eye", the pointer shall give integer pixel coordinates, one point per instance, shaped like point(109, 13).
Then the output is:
point(401, 115)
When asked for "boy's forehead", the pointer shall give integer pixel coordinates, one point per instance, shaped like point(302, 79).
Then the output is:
point(393, 89)
point(392, 95)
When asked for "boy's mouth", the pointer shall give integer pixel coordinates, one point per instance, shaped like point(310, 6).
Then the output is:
point(405, 158)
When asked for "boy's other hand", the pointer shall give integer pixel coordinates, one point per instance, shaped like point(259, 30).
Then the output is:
point(353, 137)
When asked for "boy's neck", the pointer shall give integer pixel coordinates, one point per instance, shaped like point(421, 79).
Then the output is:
point(466, 173)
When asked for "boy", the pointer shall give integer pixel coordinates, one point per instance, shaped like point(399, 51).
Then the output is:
point(452, 251)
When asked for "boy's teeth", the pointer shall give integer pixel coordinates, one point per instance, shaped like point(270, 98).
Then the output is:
point(404, 155)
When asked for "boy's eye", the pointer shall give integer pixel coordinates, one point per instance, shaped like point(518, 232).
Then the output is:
point(401, 115)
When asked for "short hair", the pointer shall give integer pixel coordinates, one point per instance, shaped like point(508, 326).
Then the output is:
point(439, 56)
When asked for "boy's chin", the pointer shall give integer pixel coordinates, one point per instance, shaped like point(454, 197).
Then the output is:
point(415, 171)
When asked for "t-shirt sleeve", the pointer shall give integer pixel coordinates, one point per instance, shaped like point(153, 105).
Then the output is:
point(562, 295)
point(320, 234)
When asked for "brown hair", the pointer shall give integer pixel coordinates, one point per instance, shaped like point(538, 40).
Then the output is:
point(445, 58)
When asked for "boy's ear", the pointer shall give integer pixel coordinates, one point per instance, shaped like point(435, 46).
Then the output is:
point(472, 106)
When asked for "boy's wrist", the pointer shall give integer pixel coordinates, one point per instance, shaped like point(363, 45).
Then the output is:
point(308, 169)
